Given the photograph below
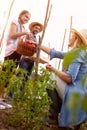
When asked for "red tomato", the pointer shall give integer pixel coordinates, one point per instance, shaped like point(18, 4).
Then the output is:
point(27, 41)
point(48, 65)
point(32, 43)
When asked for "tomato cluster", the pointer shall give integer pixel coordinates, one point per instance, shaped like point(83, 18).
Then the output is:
point(33, 44)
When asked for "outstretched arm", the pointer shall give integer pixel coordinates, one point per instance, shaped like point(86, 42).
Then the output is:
point(45, 49)
point(62, 75)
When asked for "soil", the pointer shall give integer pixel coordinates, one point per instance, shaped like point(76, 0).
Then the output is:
point(4, 113)
point(5, 126)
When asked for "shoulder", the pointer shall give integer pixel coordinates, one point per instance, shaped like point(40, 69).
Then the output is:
point(14, 21)
point(83, 53)
point(82, 56)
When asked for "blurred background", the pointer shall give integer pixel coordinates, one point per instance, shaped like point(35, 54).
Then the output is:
point(64, 14)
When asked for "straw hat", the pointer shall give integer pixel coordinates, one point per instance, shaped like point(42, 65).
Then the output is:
point(82, 34)
point(35, 23)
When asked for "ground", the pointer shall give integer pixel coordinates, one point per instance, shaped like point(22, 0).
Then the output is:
point(4, 125)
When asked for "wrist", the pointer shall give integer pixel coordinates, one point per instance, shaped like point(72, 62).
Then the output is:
point(57, 72)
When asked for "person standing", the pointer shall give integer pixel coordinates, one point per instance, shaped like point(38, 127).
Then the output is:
point(16, 31)
point(27, 63)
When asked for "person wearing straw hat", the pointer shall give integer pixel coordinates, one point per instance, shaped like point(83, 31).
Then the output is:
point(36, 25)
point(70, 91)
point(28, 62)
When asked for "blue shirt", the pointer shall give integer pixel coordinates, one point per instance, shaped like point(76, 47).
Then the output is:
point(76, 70)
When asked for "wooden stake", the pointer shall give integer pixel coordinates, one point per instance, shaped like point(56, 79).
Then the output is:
point(3, 33)
point(62, 47)
point(47, 16)
point(70, 28)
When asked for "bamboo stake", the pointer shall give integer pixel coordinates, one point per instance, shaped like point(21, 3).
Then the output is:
point(48, 12)
point(62, 47)
point(47, 16)
point(3, 33)
point(49, 47)
point(70, 27)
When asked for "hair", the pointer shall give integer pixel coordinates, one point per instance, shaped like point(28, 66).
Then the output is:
point(23, 12)
point(78, 42)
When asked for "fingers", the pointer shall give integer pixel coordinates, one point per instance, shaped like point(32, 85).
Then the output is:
point(49, 67)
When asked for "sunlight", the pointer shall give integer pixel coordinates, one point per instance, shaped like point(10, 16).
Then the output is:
point(59, 19)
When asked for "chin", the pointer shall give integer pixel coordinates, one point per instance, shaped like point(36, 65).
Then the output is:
point(70, 45)
point(35, 33)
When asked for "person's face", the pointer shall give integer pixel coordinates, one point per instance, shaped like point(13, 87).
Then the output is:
point(25, 18)
point(36, 29)
point(72, 40)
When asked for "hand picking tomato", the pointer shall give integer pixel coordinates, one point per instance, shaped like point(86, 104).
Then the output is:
point(48, 65)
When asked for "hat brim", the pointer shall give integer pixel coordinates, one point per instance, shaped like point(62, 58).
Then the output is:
point(35, 23)
point(77, 32)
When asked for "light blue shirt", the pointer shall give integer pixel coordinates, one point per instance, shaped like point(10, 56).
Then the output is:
point(76, 70)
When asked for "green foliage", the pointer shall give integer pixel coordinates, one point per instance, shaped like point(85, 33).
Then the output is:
point(6, 71)
point(84, 103)
point(73, 101)
point(17, 80)
point(30, 100)
point(70, 56)
point(72, 104)
point(84, 79)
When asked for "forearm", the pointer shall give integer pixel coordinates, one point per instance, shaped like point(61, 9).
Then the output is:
point(17, 35)
point(45, 49)
point(63, 76)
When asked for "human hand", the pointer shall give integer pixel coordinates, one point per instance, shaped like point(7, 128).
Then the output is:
point(30, 35)
point(49, 67)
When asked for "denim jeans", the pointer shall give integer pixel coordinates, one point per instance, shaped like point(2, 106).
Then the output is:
point(26, 64)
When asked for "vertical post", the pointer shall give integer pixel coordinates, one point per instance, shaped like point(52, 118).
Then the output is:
point(3, 33)
point(62, 47)
point(70, 27)
point(47, 16)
